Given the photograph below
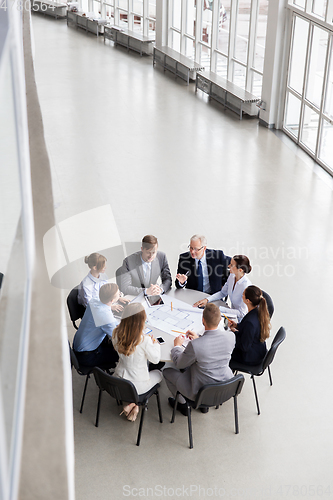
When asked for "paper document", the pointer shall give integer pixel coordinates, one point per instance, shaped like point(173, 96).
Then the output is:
point(167, 318)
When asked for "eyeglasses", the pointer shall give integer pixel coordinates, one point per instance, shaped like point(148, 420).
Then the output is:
point(195, 249)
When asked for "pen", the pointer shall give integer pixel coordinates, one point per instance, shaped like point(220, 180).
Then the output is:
point(171, 307)
point(177, 331)
point(226, 317)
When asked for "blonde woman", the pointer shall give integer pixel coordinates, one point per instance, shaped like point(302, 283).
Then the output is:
point(135, 350)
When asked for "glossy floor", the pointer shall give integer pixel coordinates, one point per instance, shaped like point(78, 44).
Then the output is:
point(168, 162)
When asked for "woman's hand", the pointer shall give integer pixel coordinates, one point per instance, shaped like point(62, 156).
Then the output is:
point(200, 303)
point(232, 325)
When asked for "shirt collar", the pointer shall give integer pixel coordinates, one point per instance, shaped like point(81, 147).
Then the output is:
point(144, 263)
point(203, 259)
point(93, 278)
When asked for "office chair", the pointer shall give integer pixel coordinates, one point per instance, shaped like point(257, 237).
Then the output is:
point(259, 369)
point(213, 395)
point(1, 278)
point(270, 305)
point(76, 310)
point(82, 370)
point(124, 390)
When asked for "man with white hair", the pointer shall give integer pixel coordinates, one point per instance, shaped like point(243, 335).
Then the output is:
point(202, 268)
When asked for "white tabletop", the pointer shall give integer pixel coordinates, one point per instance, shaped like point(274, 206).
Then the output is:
point(184, 295)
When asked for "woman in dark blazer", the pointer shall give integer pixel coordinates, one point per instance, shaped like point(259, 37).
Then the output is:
point(252, 332)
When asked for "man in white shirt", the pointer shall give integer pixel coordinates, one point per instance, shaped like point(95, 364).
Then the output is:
point(141, 270)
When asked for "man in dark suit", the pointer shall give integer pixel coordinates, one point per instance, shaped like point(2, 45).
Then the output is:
point(141, 270)
point(202, 268)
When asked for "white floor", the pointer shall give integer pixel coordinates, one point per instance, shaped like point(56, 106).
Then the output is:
point(169, 163)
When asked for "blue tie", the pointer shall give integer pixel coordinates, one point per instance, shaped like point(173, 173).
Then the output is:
point(200, 277)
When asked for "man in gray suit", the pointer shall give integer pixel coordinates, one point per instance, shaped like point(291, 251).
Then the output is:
point(141, 270)
point(205, 358)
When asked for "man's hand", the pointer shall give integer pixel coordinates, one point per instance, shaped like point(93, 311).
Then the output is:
point(178, 341)
point(182, 278)
point(154, 290)
point(116, 307)
point(191, 335)
point(123, 300)
point(202, 302)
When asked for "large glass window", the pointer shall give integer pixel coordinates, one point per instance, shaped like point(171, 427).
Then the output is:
point(227, 37)
point(242, 30)
point(314, 88)
point(298, 54)
point(292, 115)
point(224, 26)
point(309, 93)
point(260, 41)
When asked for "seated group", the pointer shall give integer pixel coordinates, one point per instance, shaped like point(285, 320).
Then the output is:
point(101, 341)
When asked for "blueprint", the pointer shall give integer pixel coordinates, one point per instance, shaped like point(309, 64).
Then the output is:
point(180, 317)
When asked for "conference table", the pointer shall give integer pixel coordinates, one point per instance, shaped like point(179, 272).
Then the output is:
point(188, 297)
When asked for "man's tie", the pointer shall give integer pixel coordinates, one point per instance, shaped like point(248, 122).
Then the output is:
point(200, 277)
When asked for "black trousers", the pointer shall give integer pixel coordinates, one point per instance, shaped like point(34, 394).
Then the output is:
point(105, 356)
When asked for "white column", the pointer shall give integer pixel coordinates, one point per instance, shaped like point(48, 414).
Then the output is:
point(273, 65)
point(161, 22)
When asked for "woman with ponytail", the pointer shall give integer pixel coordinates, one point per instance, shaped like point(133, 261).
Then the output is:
point(252, 332)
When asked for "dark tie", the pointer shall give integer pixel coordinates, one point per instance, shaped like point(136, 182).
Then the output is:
point(200, 277)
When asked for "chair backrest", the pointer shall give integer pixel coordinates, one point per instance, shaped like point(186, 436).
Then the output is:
point(216, 394)
point(119, 388)
point(279, 337)
point(74, 360)
point(76, 310)
point(270, 305)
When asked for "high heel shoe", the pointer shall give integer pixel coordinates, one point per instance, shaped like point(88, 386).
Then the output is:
point(127, 409)
point(133, 413)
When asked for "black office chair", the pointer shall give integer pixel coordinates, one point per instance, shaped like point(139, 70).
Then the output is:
point(213, 395)
point(124, 391)
point(82, 370)
point(270, 305)
point(76, 310)
point(258, 370)
point(1, 278)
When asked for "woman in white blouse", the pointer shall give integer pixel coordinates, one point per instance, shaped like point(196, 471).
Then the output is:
point(135, 349)
point(91, 284)
point(234, 287)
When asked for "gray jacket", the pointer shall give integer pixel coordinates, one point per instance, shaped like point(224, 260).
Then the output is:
point(130, 276)
point(206, 359)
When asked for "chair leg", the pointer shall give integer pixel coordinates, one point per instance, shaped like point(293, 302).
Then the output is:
point(189, 421)
point(255, 393)
point(159, 406)
point(270, 376)
point(174, 408)
point(84, 392)
point(236, 415)
point(98, 407)
point(143, 410)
